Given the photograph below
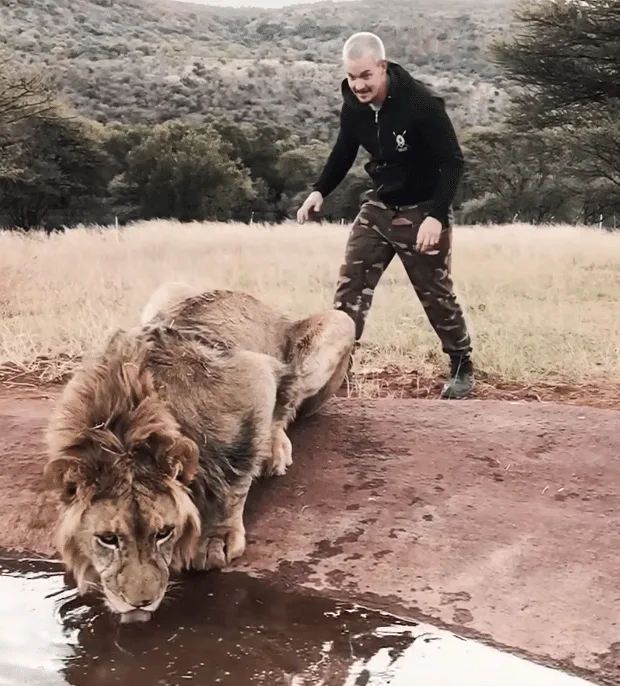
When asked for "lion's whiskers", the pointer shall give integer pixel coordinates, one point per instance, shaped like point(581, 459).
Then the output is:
point(173, 592)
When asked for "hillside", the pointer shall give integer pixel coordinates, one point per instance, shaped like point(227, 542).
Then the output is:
point(139, 61)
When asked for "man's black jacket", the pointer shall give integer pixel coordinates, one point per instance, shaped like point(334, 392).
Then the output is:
point(414, 152)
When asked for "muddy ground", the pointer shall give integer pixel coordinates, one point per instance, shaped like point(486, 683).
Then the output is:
point(498, 520)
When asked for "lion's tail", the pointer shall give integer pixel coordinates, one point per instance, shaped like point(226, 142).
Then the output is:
point(164, 297)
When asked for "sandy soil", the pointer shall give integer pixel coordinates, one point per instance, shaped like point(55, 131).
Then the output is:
point(495, 519)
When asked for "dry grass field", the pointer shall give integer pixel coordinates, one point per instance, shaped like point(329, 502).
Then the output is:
point(543, 303)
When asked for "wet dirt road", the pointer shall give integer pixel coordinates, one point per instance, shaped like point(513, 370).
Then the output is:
point(495, 520)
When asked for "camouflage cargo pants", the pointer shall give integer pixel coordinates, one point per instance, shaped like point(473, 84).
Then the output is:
point(373, 241)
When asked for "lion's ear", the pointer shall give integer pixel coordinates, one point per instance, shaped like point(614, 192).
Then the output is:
point(63, 474)
point(183, 457)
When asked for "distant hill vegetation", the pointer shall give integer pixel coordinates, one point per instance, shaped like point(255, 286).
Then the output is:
point(139, 109)
point(141, 62)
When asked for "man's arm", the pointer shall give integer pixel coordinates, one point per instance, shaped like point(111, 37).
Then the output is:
point(340, 160)
point(444, 145)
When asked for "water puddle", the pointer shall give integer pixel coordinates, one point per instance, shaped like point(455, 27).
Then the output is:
point(232, 630)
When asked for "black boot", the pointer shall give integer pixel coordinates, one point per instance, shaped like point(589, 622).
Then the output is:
point(461, 382)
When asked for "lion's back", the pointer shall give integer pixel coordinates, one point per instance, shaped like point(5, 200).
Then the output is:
point(211, 390)
point(232, 318)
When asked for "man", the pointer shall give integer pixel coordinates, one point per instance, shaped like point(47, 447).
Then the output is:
point(416, 164)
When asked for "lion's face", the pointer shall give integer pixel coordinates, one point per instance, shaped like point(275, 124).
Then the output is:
point(122, 470)
point(129, 543)
point(126, 515)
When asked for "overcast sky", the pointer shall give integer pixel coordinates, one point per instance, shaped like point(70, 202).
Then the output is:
point(250, 3)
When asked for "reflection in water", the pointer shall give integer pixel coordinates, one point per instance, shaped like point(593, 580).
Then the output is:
point(34, 644)
point(230, 629)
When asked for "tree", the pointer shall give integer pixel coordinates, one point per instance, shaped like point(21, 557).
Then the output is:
point(182, 171)
point(120, 139)
point(600, 203)
point(22, 95)
point(514, 175)
point(595, 163)
point(596, 152)
point(567, 60)
point(54, 163)
point(259, 148)
point(298, 168)
point(301, 165)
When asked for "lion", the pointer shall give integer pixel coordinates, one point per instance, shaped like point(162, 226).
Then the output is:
point(156, 439)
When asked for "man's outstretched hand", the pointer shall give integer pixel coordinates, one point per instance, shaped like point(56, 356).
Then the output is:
point(313, 202)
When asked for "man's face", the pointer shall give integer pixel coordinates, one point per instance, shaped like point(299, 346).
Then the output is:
point(366, 78)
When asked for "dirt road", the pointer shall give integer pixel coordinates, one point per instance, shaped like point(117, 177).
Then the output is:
point(497, 520)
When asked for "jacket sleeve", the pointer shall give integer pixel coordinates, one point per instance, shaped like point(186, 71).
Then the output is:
point(340, 159)
point(439, 131)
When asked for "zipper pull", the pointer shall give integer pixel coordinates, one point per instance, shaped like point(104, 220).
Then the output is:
point(376, 116)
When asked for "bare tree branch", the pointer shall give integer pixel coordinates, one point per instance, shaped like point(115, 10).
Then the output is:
point(21, 95)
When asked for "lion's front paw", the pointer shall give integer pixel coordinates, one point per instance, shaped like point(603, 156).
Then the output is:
point(281, 454)
point(219, 551)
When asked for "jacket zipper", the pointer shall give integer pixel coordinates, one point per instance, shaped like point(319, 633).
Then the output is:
point(378, 132)
point(378, 140)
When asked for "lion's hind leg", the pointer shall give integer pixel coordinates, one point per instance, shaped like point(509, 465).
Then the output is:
point(321, 347)
point(319, 350)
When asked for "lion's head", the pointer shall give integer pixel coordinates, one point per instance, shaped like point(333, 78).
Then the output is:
point(121, 468)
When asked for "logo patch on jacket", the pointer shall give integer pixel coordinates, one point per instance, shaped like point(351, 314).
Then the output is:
point(401, 143)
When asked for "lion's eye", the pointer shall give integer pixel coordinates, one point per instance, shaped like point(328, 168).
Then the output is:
point(108, 540)
point(164, 534)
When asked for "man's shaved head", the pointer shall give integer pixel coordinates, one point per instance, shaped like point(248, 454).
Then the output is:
point(364, 60)
point(363, 44)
